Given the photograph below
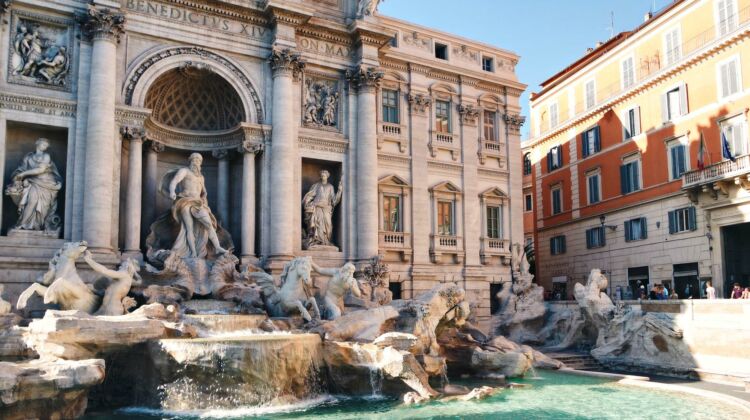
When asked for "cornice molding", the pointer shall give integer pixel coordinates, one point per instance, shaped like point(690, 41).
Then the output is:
point(26, 103)
point(228, 10)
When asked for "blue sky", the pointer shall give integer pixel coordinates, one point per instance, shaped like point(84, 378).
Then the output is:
point(547, 34)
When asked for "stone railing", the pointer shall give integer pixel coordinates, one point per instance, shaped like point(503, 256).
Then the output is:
point(446, 244)
point(390, 129)
point(395, 240)
point(717, 172)
point(493, 247)
point(492, 147)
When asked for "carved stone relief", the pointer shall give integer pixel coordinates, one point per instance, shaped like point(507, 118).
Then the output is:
point(414, 39)
point(469, 114)
point(320, 103)
point(465, 53)
point(419, 102)
point(40, 51)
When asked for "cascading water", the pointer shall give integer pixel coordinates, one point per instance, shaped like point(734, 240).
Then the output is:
point(376, 382)
point(230, 371)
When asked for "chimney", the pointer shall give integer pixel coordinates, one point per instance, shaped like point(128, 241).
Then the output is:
point(588, 50)
point(647, 16)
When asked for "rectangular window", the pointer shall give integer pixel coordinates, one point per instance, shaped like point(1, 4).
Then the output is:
point(441, 51)
point(489, 125)
point(553, 115)
point(674, 103)
point(595, 237)
point(630, 174)
point(527, 164)
point(390, 106)
point(391, 213)
point(442, 116)
point(672, 46)
point(590, 141)
point(628, 73)
point(734, 131)
point(631, 123)
point(726, 15)
point(528, 203)
point(445, 218)
point(488, 64)
point(556, 200)
point(590, 94)
point(557, 245)
point(677, 158)
point(554, 158)
point(729, 78)
point(494, 219)
point(682, 220)
point(593, 182)
point(635, 229)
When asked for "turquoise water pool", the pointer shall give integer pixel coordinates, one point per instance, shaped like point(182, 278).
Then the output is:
point(553, 396)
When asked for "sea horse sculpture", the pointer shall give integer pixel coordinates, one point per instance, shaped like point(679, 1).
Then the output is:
point(294, 294)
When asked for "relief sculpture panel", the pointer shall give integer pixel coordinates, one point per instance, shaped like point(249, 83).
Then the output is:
point(40, 51)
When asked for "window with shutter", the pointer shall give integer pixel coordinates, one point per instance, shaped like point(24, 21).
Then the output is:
point(726, 15)
point(590, 94)
point(595, 238)
point(735, 131)
point(553, 115)
point(630, 176)
point(631, 123)
point(556, 200)
point(729, 78)
point(590, 141)
point(677, 158)
point(557, 245)
point(682, 220)
point(635, 229)
point(594, 183)
point(672, 47)
point(628, 73)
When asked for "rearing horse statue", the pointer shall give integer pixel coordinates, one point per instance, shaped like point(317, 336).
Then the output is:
point(294, 294)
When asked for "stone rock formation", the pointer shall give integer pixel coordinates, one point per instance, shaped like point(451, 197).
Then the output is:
point(47, 389)
point(348, 363)
point(5, 306)
point(76, 335)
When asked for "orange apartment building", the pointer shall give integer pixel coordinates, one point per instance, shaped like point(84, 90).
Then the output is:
point(638, 162)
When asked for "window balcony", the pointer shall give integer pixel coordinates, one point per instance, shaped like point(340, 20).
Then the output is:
point(494, 247)
point(393, 133)
point(717, 178)
point(396, 242)
point(447, 249)
point(490, 148)
point(443, 141)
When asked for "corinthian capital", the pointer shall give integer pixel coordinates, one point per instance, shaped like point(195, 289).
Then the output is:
point(250, 146)
point(133, 133)
point(102, 24)
point(364, 78)
point(286, 62)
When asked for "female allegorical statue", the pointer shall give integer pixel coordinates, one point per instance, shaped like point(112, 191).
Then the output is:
point(318, 204)
point(35, 185)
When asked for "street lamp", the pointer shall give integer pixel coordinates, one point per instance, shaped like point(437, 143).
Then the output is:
point(602, 219)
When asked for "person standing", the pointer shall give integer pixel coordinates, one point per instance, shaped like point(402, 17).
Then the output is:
point(736, 292)
point(710, 291)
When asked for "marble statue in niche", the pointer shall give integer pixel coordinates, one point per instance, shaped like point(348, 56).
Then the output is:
point(320, 104)
point(36, 183)
point(367, 8)
point(38, 55)
point(196, 228)
point(318, 205)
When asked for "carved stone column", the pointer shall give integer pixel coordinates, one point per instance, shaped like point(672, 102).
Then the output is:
point(135, 181)
point(150, 185)
point(366, 80)
point(222, 184)
point(103, 27)
point(286, 66)
point(248, 149)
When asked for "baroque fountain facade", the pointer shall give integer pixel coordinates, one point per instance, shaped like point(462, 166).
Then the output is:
point(213, 203)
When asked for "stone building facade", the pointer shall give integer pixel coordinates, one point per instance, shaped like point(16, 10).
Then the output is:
point(639, 157)
point(413, 124)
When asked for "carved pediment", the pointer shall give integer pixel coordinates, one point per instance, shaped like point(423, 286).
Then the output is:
point(446, 186)
point(393, 180)
point(493, 192)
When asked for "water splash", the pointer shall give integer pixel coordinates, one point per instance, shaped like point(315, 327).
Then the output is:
point(376, 382)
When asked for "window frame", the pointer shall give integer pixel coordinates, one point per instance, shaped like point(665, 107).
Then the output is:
point(601, 236)
point(448, 117)
point(555, 164)
point(629, 229)
point(396, 107)
point(553, 189)
point(585, 146)
point(718, 22)
point(636, 127)
point(674, 30)
point(690, 218)
point(528, 168)
point(495, 133)
point(591, 174)
point(554, 117)
point(528, 203)
point(451, 205)
point(588, 106)
point(491, 62)
point(741, 118)
point(399, 214)
point(557, 245)
point(735, 59)
point(445, 45)
point(631, 159)
point(498, 223)
point(624, 85)
point(681, 141)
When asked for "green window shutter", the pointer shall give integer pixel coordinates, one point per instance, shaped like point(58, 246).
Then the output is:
point(597, 140)
point(644, 230)
point(585, 144)
point(672, 221)
point(628, 236)
point(624, 179)
point(563, 247)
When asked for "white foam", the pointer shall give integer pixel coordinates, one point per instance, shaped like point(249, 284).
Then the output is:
point(236, 412)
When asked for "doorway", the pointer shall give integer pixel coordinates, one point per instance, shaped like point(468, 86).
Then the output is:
point(736, 250)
